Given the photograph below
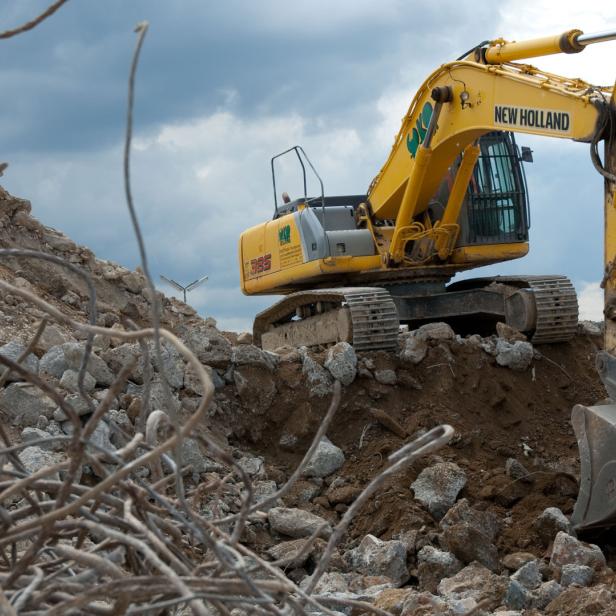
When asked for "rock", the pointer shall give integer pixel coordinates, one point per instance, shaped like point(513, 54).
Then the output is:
point(133, 282)
point(581, 575)
point(476, 582)
point(327, 459)
point(244, 338)
point(122, 355)
point(435, 331)
point(518, 596)
point(252, 465)
point(550, 522)
point(208, 344)
point(567, 550)
point(35, 458)
point(529, 575)
point(438, 486)
point(470, 544)
point(433, 565)
point(54, 362)
point(508, 333)
point(79, 405)
point(34, 434)
point(375, 557)
point(590, 328)
point(517, 355)
point(262, 490)
point(483, 521)
point(414, 350)
point(516, 560)
point(99, 438)
point(517, 471)
point(575, 601)
point(291, 552)
point(121, 419)
point(74, 353)
point(193, 384)
point(296, 522)
point(200, 463)
point(318, 380)
point(12, 350)
point(391, 600)
point(343, 494)
point(250, 355)
point(52, 336)
point(70, 381)
point(424, 604)
point(172, 363)
point(386, 377)
point(546, 593)
point(23, 403)
point(342, 362)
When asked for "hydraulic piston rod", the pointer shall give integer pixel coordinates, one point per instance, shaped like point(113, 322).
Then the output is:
point(572, 41)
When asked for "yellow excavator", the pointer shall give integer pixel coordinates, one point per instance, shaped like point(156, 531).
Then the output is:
point(450, 197)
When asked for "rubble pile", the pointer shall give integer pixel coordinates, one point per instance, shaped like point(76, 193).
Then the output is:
point(479, 527)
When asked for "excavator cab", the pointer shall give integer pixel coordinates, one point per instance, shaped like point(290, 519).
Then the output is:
point(495, 209)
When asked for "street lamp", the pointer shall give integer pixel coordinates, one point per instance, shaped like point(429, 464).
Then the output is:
point(189, 287)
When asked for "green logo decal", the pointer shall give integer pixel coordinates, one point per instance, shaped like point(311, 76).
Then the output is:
point(415, 137)
point(284, 234)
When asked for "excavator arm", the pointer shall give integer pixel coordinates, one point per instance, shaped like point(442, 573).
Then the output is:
point(455, 106)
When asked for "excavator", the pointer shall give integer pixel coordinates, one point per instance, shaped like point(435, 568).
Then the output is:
point(451, 196)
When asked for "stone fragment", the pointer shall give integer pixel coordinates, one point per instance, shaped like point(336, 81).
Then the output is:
point(508, 333)
point(546, 593)
point(386, 377)
point(35, 458)
point(581, 575)
point(529, 575)
point(253, 466)
point(517, 471)
point(318, 380)
point(70, 381)
point(23, 404)
point(342, 362)
point(380, 558)
point(476, 582)
point(483, 521)
point(435, 331)
point(433, 565)
point(79, 405)
point(414, 350)
point(250, 355)
point(52, 336)
point(244, 338)
point(567, 550)
point(262, 490)
point(425, 604)
point(122, 355)
point(208, 344)
point(193, 456)
point(34, 434)
point(291, 552)
point(327, 459)
point(576, 601)
point(470, 544)
point(53, 362)
point(74, 354)
point(296, 522)
point(438, 486)
point(517, 355)
point(13, 350)
point(516, 560)
point(518, 597)
point(550, 522)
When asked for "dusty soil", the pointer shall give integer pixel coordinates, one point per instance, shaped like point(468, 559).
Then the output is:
point(497, 414)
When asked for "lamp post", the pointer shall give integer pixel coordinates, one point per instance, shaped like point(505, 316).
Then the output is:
point(185, 289)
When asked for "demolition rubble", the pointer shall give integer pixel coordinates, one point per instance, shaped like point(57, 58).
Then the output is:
point(478, 527)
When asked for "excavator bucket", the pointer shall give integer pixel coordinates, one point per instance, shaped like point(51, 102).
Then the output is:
point(595, 430)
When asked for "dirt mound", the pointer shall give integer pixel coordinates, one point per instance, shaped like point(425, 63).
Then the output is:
point(482, 498)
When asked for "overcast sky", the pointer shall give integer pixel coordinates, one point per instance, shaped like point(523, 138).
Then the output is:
point(223, 86)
